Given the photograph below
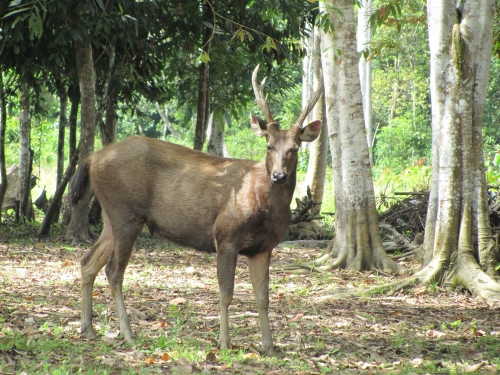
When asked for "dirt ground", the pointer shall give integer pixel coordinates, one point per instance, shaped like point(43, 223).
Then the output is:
point(172, 297)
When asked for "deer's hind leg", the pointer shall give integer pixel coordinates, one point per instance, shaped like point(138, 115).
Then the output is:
point(92, 262)
point(124, 239)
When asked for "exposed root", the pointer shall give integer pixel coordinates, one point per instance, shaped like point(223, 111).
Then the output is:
point(368, 292)
point(317, 265)
point(77, 238)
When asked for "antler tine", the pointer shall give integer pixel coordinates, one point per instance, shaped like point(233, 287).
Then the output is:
point(259, 95)
point(311, 104)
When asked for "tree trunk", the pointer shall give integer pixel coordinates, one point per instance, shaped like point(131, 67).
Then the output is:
point(24, 192)
point(203, 94)
point(53, 209)
point(63, 103)
point(458, 244)
point(307, 72)
point(78, 228)
point(365, 69)
point(357, 243)
point(318, 150)
point(3, 127)
point(107, 104)
point(216, 144)
point(74, 97)
point(166, 122)
point(111, 120)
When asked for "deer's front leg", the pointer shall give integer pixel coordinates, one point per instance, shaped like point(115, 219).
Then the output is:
point(226, 265)
point(259, 274)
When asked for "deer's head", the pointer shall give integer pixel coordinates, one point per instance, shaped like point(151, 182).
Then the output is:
point(282, 144)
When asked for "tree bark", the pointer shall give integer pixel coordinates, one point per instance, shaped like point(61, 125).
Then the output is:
point(307, 72)
point(3, 127)
point(166, 122)
point(357, 243)
point(458, 244)
point(203, 93)
point(78, 228)
point(107, 104)
point(63, 104)
point(216, 144)
point(365, 69)
point(74, 97)
point(318, 150)
point(24, 192)
point(55, 204)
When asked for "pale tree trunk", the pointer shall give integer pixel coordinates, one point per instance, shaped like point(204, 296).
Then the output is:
point(3, 127)
point(357, 244)
point(216, 144)
point(318, 150)
point(365, 69)
point(166, 122)
point(78, 228)
point(307, 73)
point(24, 192)
point(458, 244)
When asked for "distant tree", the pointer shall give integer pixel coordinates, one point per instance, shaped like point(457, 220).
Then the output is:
point(78, 227)
point(3, 126)
point(318, 150)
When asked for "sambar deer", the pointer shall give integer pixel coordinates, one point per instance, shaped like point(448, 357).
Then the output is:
point(193, 199)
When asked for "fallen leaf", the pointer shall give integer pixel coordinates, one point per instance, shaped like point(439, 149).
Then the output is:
point(177, 301)
point(149, 361)
point(296, 317)
point(165, 357)
point(474, 368)
point(420, 290)
point(250, 356)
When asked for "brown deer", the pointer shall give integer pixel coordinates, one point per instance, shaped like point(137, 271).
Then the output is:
point(193, 199)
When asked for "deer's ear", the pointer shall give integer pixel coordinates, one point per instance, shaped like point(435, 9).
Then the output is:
point(310, 132)
point(259, 126)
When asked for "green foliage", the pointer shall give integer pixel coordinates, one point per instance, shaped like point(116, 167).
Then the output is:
point(401, 144)
point(244, 144)
point(415, 177)
point(401, 110)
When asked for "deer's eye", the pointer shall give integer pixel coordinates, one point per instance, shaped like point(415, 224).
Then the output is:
point(294, 150)
point(269, 148)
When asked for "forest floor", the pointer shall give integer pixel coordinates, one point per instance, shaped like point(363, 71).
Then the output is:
point(172, 297)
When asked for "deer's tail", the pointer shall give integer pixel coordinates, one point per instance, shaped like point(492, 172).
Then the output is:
point(80, 183)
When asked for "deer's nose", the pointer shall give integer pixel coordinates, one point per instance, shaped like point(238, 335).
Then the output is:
point(279, 177)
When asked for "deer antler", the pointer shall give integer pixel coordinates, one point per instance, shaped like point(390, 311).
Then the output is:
point(259, 95)
point(311, 104)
